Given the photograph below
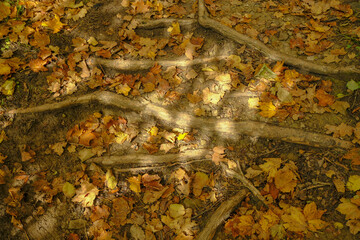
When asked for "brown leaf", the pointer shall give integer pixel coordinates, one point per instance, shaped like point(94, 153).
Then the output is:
point(354, 156)
point(324, 98)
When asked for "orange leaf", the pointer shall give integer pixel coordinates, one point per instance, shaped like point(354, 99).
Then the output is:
point(354, 156)
point(86, 137)
point(324, 98)
point(40, 40)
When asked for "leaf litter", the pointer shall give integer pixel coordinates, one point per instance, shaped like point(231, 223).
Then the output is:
point(147, 205)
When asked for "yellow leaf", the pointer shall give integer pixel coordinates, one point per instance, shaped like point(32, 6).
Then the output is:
point(353, 183)
point(5, 69)
point(123, 89)
point(354, 226)
point(271, 166)
point(2, 136)
point(285, 180)
point(121, 137)
point(311, 212)
point(86, 194)
point(295, 220)
point(350, 210)
point(4, 10)
point(135, 183)
point(253, 103)
point(200, 181)
point(154, 131)
point(268, 109)
point(182, 136)
point(92, 41)
point(55, 24)
point(110, 180)
point(174, 29)
point(68, 189)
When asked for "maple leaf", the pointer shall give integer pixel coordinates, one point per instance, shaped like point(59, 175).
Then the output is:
point(40, 40)
point(294, 220)
point(152, 182)
point(55, 24)
point(313, 216)
point(37, 65)
point(86, 194)
point(123, 89)
point(339, 131)
point(285, 180)
point(324, 98)
point(99, 212)
point(354, 226)
point(140, 6)
point(349, 209)
point(240, 226)
point(271, 167)
point(354, 156)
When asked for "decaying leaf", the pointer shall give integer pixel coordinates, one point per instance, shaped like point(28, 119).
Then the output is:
point(86, 194)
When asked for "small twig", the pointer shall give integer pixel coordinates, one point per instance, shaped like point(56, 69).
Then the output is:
point(336, 163)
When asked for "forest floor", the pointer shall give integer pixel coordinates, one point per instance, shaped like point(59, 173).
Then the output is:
point(180, 119)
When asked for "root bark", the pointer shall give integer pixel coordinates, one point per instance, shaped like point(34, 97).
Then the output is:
point(222, 128)
point(221, 214)
point(206, 22)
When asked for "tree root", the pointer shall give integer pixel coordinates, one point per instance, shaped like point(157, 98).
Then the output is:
point(206, 22)
point(223, 128)
point(136, 65)
point(146, 159)
point(221, 214)
point(164, 22)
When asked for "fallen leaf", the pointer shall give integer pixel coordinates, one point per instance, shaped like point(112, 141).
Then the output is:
point(353, 183)
point(68, 189)
point(8, 87)
point(349, 209)
point(199, 182)
point(86, 194)
point(135, 183)
point(285, 180)
point(268, 109)
point(58, 147)
point(110, 180)
point(354, 156)
point(324, 98)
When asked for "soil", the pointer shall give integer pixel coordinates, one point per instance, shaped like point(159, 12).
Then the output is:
point(40, 130)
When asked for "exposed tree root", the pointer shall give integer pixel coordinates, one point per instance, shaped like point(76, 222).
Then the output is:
point(275, 55)
point(138, 65)
point(164, 22)
point(240, 176)
point(220, 215)
point(152, 160)
point(223, 128)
